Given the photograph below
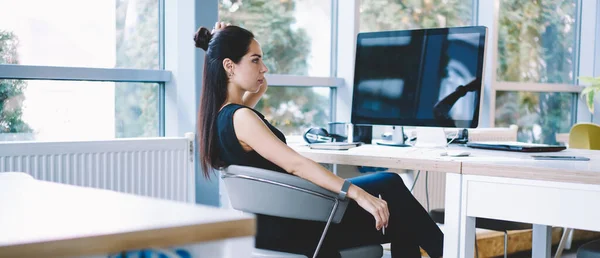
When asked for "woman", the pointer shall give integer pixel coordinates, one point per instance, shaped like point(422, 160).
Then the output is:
point(233, 133)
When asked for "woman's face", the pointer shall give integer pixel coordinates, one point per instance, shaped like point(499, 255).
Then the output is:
point(249, 73)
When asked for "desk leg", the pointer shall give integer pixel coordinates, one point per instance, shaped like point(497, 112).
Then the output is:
point(452, 215)
point(467, 236)
point(542, 241)
point(467, 225)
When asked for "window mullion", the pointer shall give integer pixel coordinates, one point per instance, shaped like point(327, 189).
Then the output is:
point(587, 43)
point(33, 72)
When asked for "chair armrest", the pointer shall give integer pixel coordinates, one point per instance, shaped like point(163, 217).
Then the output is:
point(279, 194)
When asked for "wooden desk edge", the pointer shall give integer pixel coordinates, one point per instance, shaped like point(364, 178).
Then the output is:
point(114, 243)
point(445, 166)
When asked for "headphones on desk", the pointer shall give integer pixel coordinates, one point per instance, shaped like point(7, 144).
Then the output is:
point(320, 135)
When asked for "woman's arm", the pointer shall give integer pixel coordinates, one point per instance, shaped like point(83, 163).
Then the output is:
point(251, 131)
point(250, 99)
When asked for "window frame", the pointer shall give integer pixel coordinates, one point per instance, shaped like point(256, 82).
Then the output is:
point(62, 73)
point(160, 76)
point(345, 30)
point(592, 29)
point(585, 11)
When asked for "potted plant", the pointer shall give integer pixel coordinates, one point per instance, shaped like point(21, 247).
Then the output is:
point(590, 91)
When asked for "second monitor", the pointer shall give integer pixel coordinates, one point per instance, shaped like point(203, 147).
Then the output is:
point(427, 77)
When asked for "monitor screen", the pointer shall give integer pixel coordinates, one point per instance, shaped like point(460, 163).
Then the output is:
point(429, 77)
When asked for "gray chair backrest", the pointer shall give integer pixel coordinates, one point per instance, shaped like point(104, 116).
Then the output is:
point(279, 194)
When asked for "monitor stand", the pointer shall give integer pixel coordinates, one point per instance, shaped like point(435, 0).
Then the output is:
point(397, 138)
point(431, 137)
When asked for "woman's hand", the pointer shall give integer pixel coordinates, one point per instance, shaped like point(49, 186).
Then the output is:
point(250, 99)
point(377, 207)
point(218, 26)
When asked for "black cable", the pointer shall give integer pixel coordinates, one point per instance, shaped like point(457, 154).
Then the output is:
point(416, 179)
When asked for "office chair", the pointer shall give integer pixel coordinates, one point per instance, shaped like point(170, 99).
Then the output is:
point(589, 250)
point(274, 193)
point(585, 136)
point(582, 136)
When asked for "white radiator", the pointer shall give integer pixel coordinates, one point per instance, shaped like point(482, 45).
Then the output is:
point(155, 167)
point(436, 186)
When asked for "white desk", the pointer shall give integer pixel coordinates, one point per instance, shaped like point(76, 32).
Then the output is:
point(55, 220)
point(494, 184)
point(517, 188)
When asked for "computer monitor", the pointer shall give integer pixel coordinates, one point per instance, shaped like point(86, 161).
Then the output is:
point(426, 77)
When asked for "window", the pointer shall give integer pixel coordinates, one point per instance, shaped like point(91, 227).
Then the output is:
point(536, 46)
point(67, 41)
point(295, 109)
point(295, 36)
point(381, 15)
point(536, 41)
point(539, 115)
point(45, 110)
point(95, 33)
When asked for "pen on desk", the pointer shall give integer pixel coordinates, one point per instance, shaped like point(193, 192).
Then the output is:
point(382, 227)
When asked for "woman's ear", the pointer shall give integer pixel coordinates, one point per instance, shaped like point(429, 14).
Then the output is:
point(228, 66)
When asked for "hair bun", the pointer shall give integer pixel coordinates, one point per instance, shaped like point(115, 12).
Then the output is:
point(202, 37)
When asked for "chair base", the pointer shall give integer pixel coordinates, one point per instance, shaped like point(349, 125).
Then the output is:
point(589, 250)
point(368, 251)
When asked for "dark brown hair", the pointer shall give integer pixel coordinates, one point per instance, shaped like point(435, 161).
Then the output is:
point(230, 42)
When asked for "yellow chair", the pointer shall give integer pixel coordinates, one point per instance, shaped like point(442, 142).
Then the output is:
point(582, 136)
point(585, 136)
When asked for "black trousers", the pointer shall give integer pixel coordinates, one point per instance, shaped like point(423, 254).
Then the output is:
point(409, 227)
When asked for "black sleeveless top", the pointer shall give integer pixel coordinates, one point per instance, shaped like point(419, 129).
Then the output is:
point(275, 233)
point(230, 150)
